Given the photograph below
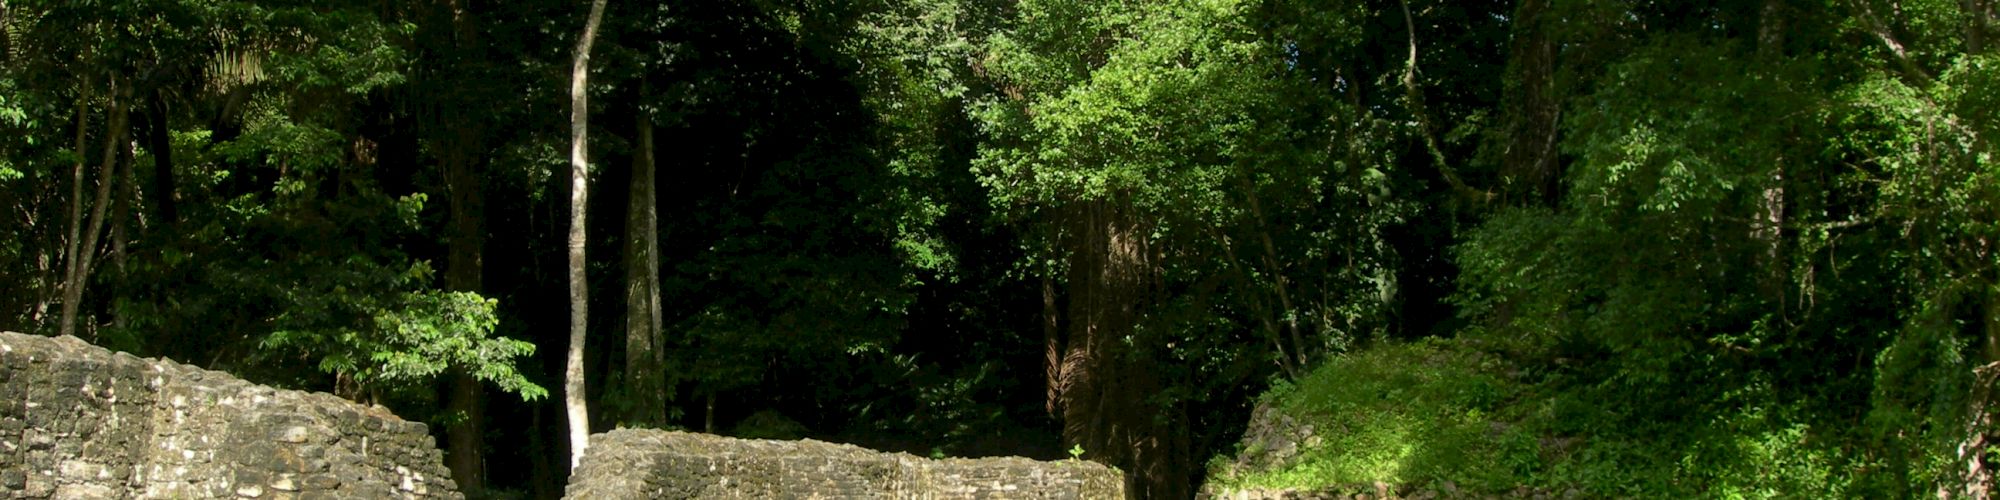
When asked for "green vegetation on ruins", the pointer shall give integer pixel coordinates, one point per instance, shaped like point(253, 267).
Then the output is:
point(1743, 248)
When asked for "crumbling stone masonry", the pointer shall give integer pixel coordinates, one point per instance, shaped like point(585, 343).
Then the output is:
point(636, 464)
point(78, 421)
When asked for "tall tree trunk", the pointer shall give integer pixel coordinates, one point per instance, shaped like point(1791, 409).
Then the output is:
point(83, 254)
point(66, 324)
point(1278, 282)
point(1530, 110)
point(124, 211)
point(1427, 129)
point(1768, 228)
point(159, 142)
point(579, 196)
point(459, 135)
point(645, 355)
point(1108, 374)
point(464, 269)
point(1052, 345)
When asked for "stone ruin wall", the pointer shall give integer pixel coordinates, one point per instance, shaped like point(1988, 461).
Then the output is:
point(78, 421)
point(642, 464)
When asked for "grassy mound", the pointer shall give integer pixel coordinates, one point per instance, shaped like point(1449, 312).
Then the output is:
point(1446, 416)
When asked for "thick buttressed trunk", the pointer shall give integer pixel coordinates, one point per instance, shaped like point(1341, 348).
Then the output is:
point(574, 404)
point(1108, 362)
point(465, 437)
point(1531, 112)
point(645, 355)
point(1052, 344)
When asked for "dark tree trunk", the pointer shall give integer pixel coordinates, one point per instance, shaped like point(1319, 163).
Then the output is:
point(1107, 372)
point(645, 355)
point(1771, 205)
point(1768, 228)
point(464, 268)
point(124, 211)
point(73, 245)
point(1052, 344)
point(84, 252)
point(1299, 353)
point(458, 137)
point(1529, 166)
point(546, 476)
point(159, 142)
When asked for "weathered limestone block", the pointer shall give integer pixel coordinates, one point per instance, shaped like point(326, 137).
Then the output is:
point(638, 463)
point(79, 421)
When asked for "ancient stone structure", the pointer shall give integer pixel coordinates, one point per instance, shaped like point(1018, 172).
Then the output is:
point(1272, 439)
point(634, 464)
point(78, 421)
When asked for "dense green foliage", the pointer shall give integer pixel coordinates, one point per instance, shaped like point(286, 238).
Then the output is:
point(1630, 248)
point(1767, 272)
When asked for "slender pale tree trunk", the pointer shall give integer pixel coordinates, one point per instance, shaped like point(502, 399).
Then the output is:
point(81, 256)
point(645, 355)
point(579, 196)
